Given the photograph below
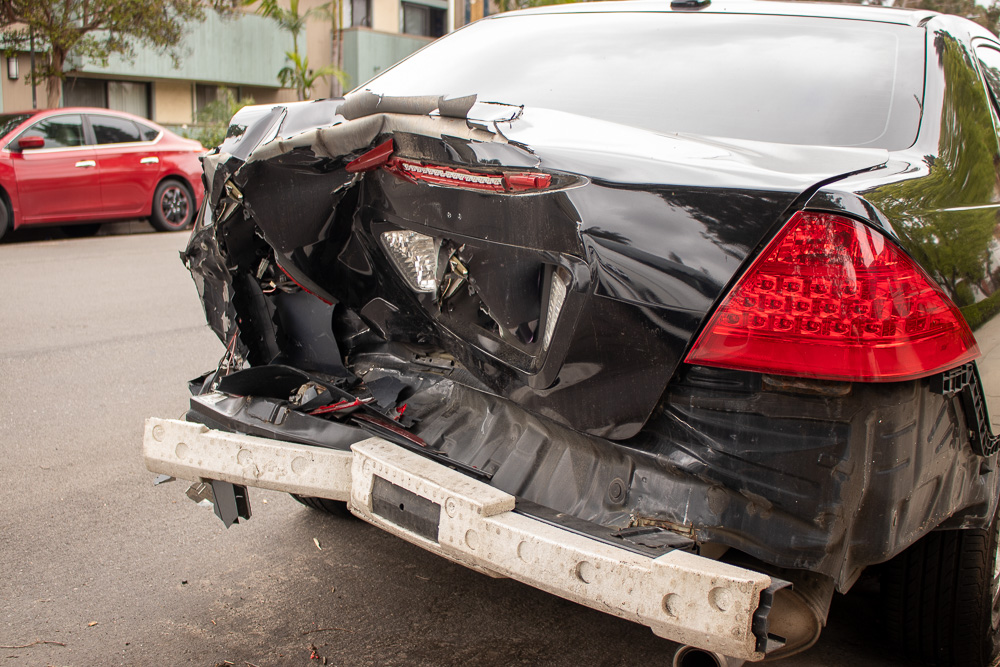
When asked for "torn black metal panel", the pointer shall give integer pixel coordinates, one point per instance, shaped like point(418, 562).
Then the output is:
point(270, 381)
point(807, 480)
point(234, 414)
point(308, 341)
point(293, 197)
point(205, 261)
point(231, 502)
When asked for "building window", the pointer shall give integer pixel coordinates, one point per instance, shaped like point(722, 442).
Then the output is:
point(423, 20)
point(205, 94)
point(85, 93)
point(361, 13)
point(128, 96)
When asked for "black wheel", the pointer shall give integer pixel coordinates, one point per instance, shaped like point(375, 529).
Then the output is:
point(6, 219)
point(81, 231)
point(335, 507)
point(173, 206)
point(941, 598)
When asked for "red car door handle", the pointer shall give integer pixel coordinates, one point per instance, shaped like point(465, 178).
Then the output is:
point(86, 163)
point(149, 160)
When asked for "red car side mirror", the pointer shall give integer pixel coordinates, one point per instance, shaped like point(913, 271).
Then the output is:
point(30, 141)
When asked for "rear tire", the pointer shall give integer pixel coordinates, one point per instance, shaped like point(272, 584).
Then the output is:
point(6, 219)
point(173, 206)
point(940, 598)
point(325, 505)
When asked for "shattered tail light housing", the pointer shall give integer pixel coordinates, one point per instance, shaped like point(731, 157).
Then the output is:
point(557, 297)
point(832, 298)
point(415, 256)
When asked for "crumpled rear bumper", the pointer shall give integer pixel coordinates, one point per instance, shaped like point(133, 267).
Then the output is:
point(681, 596)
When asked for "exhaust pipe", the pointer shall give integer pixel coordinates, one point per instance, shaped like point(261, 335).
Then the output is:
point(692, 656)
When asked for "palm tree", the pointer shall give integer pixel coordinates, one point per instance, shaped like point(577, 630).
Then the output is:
point(296, 74)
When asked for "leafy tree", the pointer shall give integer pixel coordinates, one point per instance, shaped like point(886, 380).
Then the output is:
point(296, 74)
point(97, 29)
point(987, 17)
point(214, 117)
point(950, 233)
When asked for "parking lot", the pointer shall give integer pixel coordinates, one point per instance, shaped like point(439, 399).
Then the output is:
point(99, 567)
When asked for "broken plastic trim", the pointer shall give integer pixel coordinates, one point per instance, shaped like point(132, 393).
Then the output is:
point(965, 380)
point(373, 159)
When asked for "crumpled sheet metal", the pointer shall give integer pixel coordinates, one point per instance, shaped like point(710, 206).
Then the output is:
point(355, 135)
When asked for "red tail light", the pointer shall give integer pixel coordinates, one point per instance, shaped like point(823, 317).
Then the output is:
point(832, 298)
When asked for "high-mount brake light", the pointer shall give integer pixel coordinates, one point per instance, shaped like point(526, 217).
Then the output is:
point(832, 298)
point(413, 171)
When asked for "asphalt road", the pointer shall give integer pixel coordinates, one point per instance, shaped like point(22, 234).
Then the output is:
point(97, 334)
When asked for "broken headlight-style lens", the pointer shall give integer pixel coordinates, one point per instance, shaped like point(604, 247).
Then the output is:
point(415, 256)
point(557, 296)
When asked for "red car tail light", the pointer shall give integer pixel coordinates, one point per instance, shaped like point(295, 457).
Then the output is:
point(832, 298)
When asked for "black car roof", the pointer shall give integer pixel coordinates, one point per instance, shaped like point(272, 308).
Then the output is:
point(913, 17)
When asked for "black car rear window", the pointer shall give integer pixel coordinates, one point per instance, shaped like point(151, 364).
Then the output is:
point(786, 79)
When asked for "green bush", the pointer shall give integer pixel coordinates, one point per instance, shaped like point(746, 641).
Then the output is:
point(213, 119)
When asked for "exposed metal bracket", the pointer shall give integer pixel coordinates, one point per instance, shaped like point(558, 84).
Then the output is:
point(965, 381)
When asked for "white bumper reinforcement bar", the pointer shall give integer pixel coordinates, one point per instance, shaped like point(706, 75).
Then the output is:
point(680, 596)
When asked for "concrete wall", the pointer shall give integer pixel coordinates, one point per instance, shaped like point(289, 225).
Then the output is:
point(317, 45)
point(16, 93)
point(268, 95)
point(385, 16)
point(248, 50)
point(368, 52)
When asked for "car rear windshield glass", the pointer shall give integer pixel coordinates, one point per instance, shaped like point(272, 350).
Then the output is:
point(785, 79)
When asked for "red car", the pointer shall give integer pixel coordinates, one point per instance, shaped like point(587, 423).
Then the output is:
point(83, 166)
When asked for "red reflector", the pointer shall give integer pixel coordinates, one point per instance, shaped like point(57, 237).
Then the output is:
point(373, 159)
point(522, 182)
point(463, 178)
point(832, 298)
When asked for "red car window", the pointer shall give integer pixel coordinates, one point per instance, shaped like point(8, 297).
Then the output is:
point(59, 131)
point(111, 130)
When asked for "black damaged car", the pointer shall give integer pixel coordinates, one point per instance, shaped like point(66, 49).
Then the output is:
point(686, 313)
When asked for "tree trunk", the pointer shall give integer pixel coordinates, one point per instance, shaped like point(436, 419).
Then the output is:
point(53, 83)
